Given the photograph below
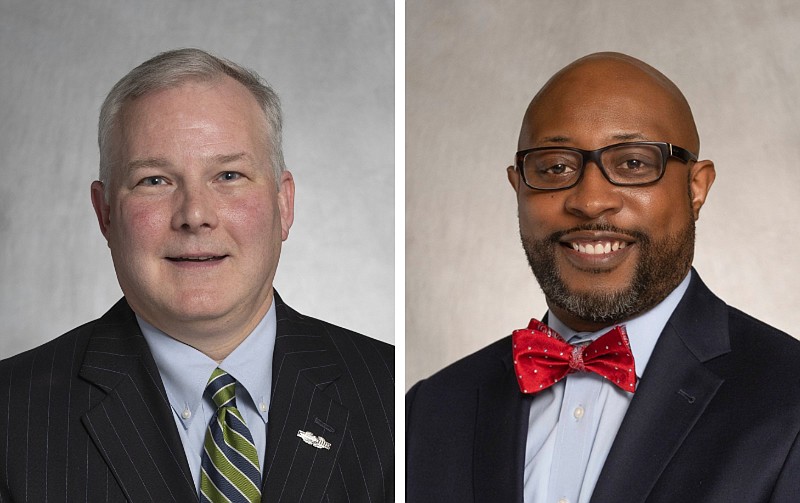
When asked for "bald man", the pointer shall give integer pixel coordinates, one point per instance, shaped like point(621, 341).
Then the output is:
point(638, 384)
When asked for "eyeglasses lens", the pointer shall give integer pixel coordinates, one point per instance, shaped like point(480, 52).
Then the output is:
point(623, 164)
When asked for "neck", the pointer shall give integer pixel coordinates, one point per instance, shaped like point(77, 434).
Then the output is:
point(214, 338)
point(580, 324)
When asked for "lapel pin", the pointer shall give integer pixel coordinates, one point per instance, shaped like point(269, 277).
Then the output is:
point(313, 440)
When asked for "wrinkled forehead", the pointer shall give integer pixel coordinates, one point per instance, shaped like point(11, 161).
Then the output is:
point(612, 97)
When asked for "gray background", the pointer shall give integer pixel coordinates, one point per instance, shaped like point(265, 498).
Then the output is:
point(472, 67)
point(332, 63)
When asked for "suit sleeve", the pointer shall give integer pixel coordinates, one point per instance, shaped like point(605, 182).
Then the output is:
point(410, 395)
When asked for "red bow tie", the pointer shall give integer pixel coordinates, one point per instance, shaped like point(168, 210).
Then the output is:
point(542, 358)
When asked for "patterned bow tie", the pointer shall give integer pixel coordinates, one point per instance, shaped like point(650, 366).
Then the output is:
point(542, 358)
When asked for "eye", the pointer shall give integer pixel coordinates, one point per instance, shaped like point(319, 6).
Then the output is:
point(634, 164)
point(553, 169)
point(633, 158)
point(546, 163)
point(152, 181)
point(558, 169)
point(230, 176)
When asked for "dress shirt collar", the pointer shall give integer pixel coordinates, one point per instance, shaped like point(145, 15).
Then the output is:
point(185, 370)
point(643, 330)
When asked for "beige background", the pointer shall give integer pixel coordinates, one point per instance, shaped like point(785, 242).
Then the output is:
point(332, 63)
point(472, 67)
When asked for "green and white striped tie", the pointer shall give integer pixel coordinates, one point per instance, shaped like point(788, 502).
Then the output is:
point(230, 471)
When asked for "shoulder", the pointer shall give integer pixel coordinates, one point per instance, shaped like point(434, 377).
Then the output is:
point(745, 326)
point(60, 356)
point(57, 362)
point(44, 379)
point(454, 412)
point(731, 342)
point(454, 388)
point(759, 345)
point(758, 371)
point(473, 370)
point(368, 361)
point(291, 323)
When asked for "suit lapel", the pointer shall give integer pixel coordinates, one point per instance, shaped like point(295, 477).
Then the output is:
point(304, 398)
point(674, 391)
point(501, 428)
point(132, 425)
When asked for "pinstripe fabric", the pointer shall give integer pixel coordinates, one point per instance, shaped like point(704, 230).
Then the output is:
point(339, 385)
point(96, 424)
point(91, 421)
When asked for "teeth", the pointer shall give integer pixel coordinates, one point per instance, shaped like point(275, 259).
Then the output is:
point(599, 248)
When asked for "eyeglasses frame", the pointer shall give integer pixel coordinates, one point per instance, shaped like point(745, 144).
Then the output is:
point(668, 150)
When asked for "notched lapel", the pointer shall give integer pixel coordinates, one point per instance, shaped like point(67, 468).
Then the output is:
point(296, 470)
point(675, 390)
point(671, 397)
point(304, 398)
point(501, 427)
point(132, 426)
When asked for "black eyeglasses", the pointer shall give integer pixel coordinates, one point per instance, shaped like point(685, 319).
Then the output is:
point(626, 164)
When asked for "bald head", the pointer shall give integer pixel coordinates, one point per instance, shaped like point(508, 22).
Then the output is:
point(615, 92)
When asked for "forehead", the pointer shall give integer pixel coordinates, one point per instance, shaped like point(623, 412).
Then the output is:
point(601, 102)
point(221, 107)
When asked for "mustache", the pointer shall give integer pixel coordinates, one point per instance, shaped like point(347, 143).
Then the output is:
point(639, 236)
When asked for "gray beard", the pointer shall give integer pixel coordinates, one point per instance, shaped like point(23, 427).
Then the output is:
point(661, 268)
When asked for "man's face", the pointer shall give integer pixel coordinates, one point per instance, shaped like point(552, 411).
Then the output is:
point(194, 220)
point(634, 244)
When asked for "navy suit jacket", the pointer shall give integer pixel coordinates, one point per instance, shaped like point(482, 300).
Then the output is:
point(715, 419)
point(85, 417)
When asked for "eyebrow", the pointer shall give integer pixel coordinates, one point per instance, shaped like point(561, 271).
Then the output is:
point(150, 162)
point(619, 137)
point(629, 136)
point(160, 162)
point(229, 158)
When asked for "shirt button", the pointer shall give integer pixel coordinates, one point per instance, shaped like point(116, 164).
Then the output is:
point(578, 414)
point(262, 406)
point(186, 414)
point(563, 500)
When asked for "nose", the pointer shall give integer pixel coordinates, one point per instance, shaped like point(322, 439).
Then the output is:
point(594, 196)
point(195, 209)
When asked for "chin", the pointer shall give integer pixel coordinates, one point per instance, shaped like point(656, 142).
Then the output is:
point(597, 281)
point(200, 306)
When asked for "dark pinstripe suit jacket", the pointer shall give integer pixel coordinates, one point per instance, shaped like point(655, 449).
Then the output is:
point(85, 417)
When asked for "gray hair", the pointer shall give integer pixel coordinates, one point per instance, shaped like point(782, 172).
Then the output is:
point(171, 69)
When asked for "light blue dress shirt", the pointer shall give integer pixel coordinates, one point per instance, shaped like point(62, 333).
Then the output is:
point(573, 423)
point(185, 372)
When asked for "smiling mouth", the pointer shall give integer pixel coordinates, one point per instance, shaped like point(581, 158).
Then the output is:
point(597, 248)
point(210, 258)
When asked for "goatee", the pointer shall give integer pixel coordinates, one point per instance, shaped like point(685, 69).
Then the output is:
point(662, 265)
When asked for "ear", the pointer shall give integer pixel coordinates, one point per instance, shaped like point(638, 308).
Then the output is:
point(701, 177)
point(286, 202)
point(101, 208)
point(513, 178)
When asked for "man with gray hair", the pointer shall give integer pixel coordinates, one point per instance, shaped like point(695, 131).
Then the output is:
point(201, 381)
